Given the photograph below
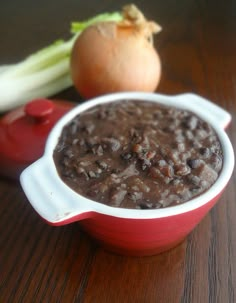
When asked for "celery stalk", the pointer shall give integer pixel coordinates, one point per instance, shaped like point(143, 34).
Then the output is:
point(50, 89)
point(79, 26)
point(44, 73)
point(40, 60)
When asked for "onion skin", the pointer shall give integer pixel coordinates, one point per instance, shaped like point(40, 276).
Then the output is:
point(109, 58)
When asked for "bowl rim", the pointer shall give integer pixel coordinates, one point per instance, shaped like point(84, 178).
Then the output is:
point(87, 205)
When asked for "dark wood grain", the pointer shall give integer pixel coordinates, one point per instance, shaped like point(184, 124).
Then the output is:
point(39, 263)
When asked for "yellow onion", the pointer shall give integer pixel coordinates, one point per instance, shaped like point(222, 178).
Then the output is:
point(111, 57)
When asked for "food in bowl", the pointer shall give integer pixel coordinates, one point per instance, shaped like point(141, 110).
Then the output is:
point(122, 230)
point(138, 154)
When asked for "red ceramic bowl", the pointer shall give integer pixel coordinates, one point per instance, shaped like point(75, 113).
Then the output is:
point(126, 231)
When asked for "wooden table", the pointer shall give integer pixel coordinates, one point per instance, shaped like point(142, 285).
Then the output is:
point(39, 263)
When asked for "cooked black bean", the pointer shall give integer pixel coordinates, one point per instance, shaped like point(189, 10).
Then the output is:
point(102, 164)
point(190, 122)
point(74, 127)
point(98, 150)
point(162, 163)
point(167, 171)
point(194, 163)
point(147, 205)
point(88, 128)
point(216, 162)
point(113, 143)
point(195, 180)
point(92, 174)
point(136, 154)
point(126, 156)
point(117, 196)
point(69, 153)
point(135, 196)
point(182, 169)
point(205, 152)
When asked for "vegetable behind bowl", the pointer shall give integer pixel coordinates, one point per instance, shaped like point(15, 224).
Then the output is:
point(44, 73)
point(116, 56)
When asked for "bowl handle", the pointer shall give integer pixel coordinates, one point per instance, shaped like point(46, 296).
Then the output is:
point(215, 112)
point(51, 201)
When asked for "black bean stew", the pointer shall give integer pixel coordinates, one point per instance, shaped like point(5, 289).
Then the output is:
point(137, 154)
